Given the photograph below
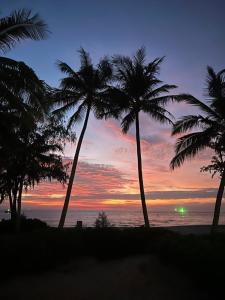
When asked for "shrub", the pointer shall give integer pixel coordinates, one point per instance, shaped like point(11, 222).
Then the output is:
point(27, 225)
point(102, 221)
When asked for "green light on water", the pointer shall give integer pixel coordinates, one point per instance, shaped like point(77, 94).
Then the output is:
point(181, 210)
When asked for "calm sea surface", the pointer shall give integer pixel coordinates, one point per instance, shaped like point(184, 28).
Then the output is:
point(123, 218)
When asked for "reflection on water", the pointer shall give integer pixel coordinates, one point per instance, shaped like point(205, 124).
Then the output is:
point(123, 218)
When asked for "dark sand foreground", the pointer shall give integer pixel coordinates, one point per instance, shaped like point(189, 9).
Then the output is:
point(195, 229)
point(134, 278)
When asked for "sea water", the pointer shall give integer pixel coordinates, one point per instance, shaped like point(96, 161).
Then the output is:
point(122, 218)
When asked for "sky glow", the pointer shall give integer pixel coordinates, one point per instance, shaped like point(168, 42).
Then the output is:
point(190, 34)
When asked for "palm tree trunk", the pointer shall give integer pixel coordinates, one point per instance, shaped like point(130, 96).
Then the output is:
point(19, 199)
point(73, 171)
point(141, 185)
point(219, 198)
point(10, 203)
point(14, 204)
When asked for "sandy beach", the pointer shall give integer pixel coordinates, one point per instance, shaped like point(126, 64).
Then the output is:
point(195, 229)
point(134, 278)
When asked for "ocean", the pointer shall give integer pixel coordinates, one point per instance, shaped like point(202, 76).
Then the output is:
point(122, 218)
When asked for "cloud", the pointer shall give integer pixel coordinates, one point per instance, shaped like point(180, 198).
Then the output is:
point(154, 139)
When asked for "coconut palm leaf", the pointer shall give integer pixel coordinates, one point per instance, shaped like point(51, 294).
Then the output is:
point(190, 145)
point(189, 99)
point(20, 25)
point(127, 121)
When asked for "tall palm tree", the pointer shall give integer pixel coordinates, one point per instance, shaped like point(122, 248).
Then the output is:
point(80, 94)
point(20, 25)
point(138, 90)
point(210, 133)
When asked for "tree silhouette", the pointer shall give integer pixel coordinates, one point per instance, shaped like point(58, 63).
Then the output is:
point(20, 25)
point(34, 158)
point(22, 99)
point(211, 133)
point(102, 221)
point(23, 113)
point(137, 89)
point(80, 94)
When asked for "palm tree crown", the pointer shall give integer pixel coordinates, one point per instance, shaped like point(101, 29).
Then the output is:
point(82, 90)
point(210, 124)
point(138, 90)
point(20, 25)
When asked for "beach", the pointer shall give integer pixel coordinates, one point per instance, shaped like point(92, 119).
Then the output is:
point(178, 262)
point(132, 278)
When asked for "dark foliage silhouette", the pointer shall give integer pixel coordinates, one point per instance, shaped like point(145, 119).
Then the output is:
point(137, 89)
point(19, 25)
point(80, 94)
point(102, 221)
point(35, 157)
point(210, 134)
point(29, 137)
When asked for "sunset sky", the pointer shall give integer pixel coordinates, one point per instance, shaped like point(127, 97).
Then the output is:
point(191, 34)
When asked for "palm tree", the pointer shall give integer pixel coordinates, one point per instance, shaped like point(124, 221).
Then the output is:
point(80, 94)
point(20, 25)
point(22, 98)
point(138, 90)
point(210, 133)
point(19, 84)
point(23, 104)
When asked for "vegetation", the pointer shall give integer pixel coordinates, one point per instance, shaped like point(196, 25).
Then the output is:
point(102, 221)
point(20, 25)
point(197, 257)
point(26, 225)
point(30, 147)
point(32, 140)
point(210, 134)
point(138, 90)
point(32, 135)
point(82, 93)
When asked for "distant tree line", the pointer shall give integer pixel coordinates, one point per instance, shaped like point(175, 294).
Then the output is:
point(32, 114)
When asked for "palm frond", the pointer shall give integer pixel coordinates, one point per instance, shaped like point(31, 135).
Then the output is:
point(139, 57)
point(19, 25)
point(165, 88)
point(65, 68)
point(188, 123)
point(77, 116)
point(85, 59)
point(154, 66)
point(19, 85)
point(127, 121)
point(64, 109)
point(60, 97)
point(157, 112)
point(190, 145)
point(195, 102)
point(105, 70)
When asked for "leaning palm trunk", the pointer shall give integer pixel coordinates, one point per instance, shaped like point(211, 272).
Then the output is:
point(141, 185)
point(73, 171)
point(19, 199)
point(14, 204)
point(219, 198)
point(10, 204)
